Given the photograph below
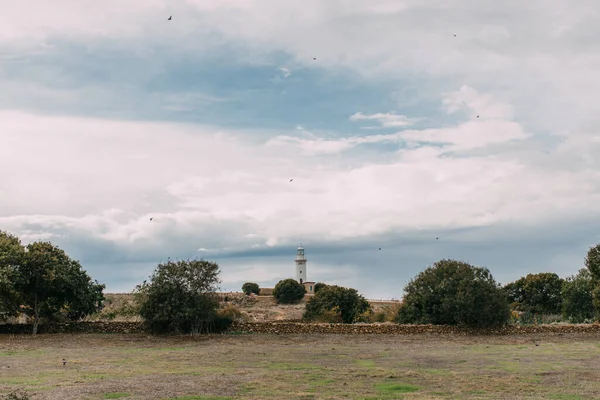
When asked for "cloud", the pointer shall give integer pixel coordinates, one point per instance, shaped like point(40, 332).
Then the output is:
point(386, 120)
point(111, 118)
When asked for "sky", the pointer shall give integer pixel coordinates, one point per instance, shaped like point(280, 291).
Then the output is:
point(431, 129)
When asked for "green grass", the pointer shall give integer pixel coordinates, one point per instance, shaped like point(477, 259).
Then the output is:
point(396, 388)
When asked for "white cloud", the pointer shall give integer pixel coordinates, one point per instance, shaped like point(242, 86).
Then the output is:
point(528, 70)
point(387, 120)
point(199, 179)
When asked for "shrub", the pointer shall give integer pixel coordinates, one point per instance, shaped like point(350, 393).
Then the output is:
point(289, 291)
point(319, 286)
point(454, 293)
point(577, 295)
point(387, 313)
point(232, 312)
point(181, 297)
point(352, 307)
point(536, 293)
point(250, 287)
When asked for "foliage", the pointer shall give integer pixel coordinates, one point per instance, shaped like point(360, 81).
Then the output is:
point(577, 300)
point(454, 293)
point(289, 291)
point(536, 293)
point(352, 307)
point(181, 297)
point(319, 286)
point(387, 313)
point(11, 256)
point(232, 312)
point(250, 287)
point(49, 282)
point(592, 262)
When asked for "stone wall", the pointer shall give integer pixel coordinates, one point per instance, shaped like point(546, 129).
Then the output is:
point(287, 327)
point(76, 327)
point(295, 327)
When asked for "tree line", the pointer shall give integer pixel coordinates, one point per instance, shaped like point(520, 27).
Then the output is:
point(452, 292)
point(41, 281)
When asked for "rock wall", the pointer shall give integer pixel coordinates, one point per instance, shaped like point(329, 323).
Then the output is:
point(286, 327)
point(289, 327)
point(76, 327)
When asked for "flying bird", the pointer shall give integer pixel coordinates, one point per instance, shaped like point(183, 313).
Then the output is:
point(151, 218)
point(455, 35)
point(291, 179)
point(478, 116)
point(380, 248)
point(171, 17)
point(315, 58)
point(436, 238)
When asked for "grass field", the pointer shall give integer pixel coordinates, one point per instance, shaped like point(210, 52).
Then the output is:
point(302, 367)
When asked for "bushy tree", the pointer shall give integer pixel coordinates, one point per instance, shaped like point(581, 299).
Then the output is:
point(48, 281)
point(250, 287)
point(536, 293)
point(181, 297)
point(577, 303)
point(289, 291)
point(454, 293)
point(592, 262)
point(351, 306)
point(319, 286)
point(12, 254)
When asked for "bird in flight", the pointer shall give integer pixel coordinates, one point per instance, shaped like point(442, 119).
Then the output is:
point(315, 58)
point(478, 116)
point(380, 248)
point(171, 17)
point(151, 218)
point(291, 179)
point(455, 35)
point(436, 238)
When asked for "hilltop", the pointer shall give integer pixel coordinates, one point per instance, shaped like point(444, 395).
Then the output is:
point(120, 306)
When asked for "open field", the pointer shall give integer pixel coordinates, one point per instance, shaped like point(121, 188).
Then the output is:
point(302, 366)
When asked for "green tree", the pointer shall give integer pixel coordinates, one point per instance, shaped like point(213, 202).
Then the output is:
point(82, 296)
point(12, 254)
point(577, 302)
point(48, 281)
point(250, 287)
point(351, 306)
point(289, 291)
point(454, 293)
point(536, 293)
point(319, 286)
point(592, 262)
point(181, 297)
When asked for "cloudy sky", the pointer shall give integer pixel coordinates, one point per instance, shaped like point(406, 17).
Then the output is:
point(475, 122)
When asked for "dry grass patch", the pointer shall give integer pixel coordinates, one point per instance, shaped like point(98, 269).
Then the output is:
point(262, 366)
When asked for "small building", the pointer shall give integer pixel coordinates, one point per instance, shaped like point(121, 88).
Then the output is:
point(310, 287)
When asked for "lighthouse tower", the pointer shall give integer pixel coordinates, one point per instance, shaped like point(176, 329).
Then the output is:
point(300, 265)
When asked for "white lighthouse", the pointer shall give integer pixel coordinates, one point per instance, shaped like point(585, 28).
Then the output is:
point(300, 265)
